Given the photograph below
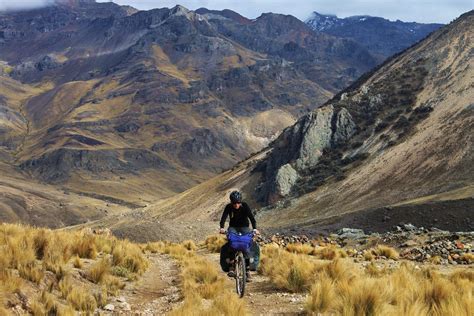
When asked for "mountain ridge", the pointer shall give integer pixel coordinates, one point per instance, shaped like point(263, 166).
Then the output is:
point(382, 37)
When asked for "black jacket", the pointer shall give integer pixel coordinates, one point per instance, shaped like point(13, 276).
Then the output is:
point(238, 217)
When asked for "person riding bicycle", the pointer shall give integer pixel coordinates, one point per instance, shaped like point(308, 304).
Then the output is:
point(240, 214)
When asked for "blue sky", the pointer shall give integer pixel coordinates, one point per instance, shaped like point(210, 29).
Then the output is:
point(407, 10)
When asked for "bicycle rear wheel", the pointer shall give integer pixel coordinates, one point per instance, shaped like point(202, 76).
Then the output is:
point(240, 274)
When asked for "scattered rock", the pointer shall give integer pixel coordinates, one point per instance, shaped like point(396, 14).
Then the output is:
point(125, 306)
point(109, 307)
point(352, 233)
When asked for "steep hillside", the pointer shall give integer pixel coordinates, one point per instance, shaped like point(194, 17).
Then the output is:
point(382, 37)
point(130, 107)
point(394, 147)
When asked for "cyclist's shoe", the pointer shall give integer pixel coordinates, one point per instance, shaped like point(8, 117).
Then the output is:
point(249, 278)
point(231, 273)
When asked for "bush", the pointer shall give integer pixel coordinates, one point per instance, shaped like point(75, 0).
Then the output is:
point(385, 251)
point(214, 243)
point(99, 271)
point(81, 300)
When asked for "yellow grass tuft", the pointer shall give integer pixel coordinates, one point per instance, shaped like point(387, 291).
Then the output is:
point(214, 243)
point(300, 248)
point(76, 262)
point(130, 257)
point(28, 252)
point(101, 297)
point(385, 251)
point(329, 252)
point(81, 300)
point(322, 297)
point(85, 247)
point(99, 271)
point(202, 278)
point(287, 271)
point(368, 255)
point(31, 272)
point(468, 257)
point(189, 245)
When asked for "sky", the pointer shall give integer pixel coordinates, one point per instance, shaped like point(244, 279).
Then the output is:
point(441, 11)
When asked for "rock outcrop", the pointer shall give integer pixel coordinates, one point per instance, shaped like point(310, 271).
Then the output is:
point(301, 146)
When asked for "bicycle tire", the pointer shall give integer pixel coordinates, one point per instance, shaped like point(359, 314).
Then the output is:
point(240, 274)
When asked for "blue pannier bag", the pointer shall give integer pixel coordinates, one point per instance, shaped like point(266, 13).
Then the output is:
point(240, 242)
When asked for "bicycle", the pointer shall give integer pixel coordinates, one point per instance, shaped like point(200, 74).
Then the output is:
point(240, 243)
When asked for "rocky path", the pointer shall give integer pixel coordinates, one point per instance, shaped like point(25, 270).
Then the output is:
point(155, 293)
point(261, 296)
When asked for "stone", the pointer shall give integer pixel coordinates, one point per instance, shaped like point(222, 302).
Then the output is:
point(285, 179)
point(125, 306)
point(409, 227)
point(409, 243)
point(345, 126)
point(317, 136)
point(109, 307)
point(351, 233)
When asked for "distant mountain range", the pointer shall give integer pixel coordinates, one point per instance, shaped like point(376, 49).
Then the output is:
point(129, 106)
point(105, 108)
point(380, 36)
point(394, 147)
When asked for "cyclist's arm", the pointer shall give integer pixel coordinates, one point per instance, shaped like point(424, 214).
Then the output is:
point(224, 217)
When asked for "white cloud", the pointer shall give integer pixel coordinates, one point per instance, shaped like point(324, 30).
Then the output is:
point(22, 4)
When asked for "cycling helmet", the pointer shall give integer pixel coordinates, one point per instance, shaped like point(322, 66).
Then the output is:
point(236, 197)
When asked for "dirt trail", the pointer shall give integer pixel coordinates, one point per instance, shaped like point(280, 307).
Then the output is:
point(262, 297)
point(157, 291)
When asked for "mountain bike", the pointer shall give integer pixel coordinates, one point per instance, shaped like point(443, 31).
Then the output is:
point(241, 244)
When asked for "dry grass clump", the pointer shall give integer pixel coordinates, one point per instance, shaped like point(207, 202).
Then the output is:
point(189, 245)
point(339, 287)
point(99, 271)
point(31, 272)
point(76, 262)
point(401, 291)
point(85, 247)
point(215, 242)
point(368, 255)
point(28, 254)
point(81, 300)
point(300, 248)
point(129, 256)
point(200, 277)
point(286, 270)
point(321, 296)
point(468, 257)
point(329, 252)
point(385, 251)
point(177, 251)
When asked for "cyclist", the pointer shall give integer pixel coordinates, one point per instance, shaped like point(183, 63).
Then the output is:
point(240, 214)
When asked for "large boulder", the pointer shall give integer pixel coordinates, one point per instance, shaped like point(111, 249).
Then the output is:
point(285, 178)
point(300, 148)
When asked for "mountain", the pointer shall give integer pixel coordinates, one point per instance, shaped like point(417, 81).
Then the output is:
point(126, 107)
point(395, 147)
point(382, 37)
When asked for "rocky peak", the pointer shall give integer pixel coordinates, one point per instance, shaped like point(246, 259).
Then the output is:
point(320, 22)
point(224, 14)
